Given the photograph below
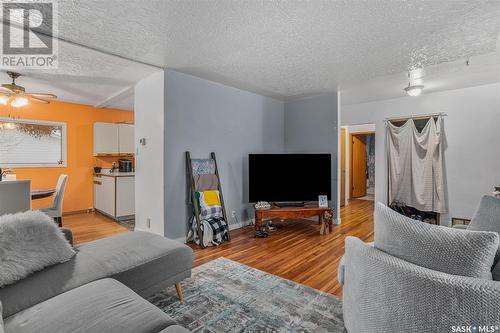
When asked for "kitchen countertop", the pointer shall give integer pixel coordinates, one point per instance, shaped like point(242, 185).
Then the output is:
point(115, 174)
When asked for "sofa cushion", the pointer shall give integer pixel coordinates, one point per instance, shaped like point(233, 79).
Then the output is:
point(143, 261)
point(448, 250)
point(101, 306)
point(29, 241)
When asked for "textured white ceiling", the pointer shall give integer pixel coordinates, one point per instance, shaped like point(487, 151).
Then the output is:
point(482, 69)
point(276, 48)
point(86, 77)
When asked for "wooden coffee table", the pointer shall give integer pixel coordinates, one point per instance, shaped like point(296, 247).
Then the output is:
point(295, 213)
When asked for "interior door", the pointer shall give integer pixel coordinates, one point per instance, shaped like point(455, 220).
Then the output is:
point(342, 167)
point(358, 166)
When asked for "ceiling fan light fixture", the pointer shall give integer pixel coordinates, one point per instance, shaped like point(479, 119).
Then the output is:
point(17, 96)
point(19, 101)
point(4, 99)
point(414, 91)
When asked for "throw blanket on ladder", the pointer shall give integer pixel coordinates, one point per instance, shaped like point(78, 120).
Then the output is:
point(214, 229)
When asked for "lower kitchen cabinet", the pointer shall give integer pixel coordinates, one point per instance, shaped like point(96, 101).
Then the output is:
point(114, 195)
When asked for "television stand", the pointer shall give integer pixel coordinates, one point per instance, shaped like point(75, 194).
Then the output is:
point(295, 213)
point(288, 204)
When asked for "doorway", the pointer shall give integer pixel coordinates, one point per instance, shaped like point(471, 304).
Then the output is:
point(362, 166)
point(357, 159)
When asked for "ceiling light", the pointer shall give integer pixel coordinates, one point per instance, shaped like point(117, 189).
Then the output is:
point(16, 95)
point(19, 101)
point(414, 90)
point(415, 82)
point(9, 126)
point(4, 99)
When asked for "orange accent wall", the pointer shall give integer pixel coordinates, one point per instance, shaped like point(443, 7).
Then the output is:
point(79, 121)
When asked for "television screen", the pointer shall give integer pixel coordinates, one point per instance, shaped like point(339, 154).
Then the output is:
point(289, 177)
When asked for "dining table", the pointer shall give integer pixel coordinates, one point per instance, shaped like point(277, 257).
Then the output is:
point(40, 193)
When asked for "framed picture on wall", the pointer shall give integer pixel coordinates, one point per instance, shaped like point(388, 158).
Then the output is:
point(323, 201)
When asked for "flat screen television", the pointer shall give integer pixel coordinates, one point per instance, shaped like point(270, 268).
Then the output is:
point(289, 177)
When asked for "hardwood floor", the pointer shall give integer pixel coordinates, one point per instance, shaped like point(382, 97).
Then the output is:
point(91, 226)
point(296, 252)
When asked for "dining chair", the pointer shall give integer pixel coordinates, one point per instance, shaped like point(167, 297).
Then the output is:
point(55, 211)
point(15, 196)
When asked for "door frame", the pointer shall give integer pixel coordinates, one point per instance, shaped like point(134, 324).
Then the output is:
point(343, 158)
point(351, 134)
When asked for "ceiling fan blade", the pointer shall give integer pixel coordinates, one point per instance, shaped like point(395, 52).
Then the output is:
point(40, 95)
point(39, 100)
point(4, 90)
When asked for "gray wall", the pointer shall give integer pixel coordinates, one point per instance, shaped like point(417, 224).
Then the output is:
point(472, 157)
point(203, 116)
point(311, 127)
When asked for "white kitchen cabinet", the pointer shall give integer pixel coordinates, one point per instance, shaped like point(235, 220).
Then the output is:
point(126, 142)
point(110, 138)
point(125, 198)
point(104, 195)
point(105, 138)
point(114, 195)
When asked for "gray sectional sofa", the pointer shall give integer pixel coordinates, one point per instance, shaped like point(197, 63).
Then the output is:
point(100, 289)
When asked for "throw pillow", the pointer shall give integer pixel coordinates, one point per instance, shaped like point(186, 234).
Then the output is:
point(29, 242)
point(487, 218)
point(211, 198)
point(448, 250)
point(208, 199)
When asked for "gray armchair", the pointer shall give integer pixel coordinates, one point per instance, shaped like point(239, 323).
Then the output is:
point(385, 294)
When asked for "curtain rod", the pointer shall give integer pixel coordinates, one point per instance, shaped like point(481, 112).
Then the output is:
point(418, 116)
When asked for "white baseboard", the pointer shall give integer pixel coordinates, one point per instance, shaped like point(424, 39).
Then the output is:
point(233, 226)
point(337, 221)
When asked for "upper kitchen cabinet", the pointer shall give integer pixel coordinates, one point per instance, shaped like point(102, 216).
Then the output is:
point(105, 138)
point(113, 139)
point(126, 138)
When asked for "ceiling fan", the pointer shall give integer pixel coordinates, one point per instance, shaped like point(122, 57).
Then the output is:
point(16, 96)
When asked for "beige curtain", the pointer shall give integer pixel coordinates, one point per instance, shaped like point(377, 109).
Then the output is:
point(416, 165)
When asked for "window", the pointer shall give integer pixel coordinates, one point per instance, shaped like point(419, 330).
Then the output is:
point(32, 143)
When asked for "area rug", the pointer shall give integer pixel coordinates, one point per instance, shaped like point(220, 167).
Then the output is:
point(225, 296)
